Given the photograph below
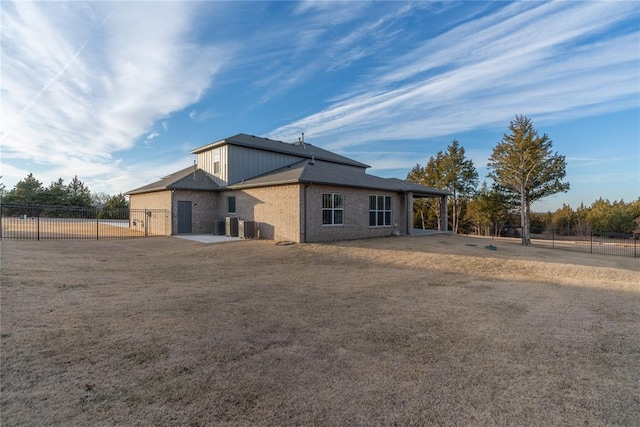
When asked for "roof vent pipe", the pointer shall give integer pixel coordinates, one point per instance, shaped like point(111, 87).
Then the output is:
point(313, 159)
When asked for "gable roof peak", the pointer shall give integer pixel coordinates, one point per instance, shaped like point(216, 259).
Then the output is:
point(303, 150)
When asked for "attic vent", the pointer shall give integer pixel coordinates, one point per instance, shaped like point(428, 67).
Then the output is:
point(300, 141)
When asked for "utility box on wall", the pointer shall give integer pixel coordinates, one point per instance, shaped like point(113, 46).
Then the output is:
point(246, 229)
point(231, 227)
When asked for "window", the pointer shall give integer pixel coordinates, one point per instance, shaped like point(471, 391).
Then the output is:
point(231, 204)
point(216, 162)
point(379, 211)
point(332, 209)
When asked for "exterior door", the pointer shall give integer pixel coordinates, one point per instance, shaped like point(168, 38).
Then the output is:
point(184, 217)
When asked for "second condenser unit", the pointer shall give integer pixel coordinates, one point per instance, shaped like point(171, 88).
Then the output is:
point(246, 229)
point(231, 226)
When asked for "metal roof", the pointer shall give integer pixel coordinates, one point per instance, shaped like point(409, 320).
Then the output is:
point(302, 150)
point(185, 179)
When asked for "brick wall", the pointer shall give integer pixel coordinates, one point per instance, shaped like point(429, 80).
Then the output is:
point(275, 209)
point(356, 214)
point(280, 211)
point(204, 210)
point(155, 200)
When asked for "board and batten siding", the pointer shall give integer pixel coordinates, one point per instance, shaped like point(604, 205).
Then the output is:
point(245, 163)
point(205, 161)
point(249, 163)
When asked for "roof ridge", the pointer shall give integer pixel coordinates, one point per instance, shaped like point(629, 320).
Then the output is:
point(304, 150)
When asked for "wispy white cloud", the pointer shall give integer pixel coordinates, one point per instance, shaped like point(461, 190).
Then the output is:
point(152, 135)
point(324, 37)
point(526, 58)
point(82, 81)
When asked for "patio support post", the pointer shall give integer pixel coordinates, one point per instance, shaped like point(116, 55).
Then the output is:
point(409, 204)
point(443, 214)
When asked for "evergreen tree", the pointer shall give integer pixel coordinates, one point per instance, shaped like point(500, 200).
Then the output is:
point(79, 194)
point(117, 202)
point(430, 176)
point(57, 194)
point(524, 165)
point(452, 171)
point(460, 178)
point(564, 220)
point(28, 191)
point(490, 210)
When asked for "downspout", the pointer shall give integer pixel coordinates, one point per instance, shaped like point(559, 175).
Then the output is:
point(173, 211)
point(304, 215)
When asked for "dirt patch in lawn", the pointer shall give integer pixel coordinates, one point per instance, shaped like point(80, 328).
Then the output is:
point(399, 330)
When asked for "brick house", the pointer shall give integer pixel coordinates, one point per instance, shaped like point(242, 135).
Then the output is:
point(296, 192)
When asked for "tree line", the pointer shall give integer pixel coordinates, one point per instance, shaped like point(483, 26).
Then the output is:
point(30, 191)
point(523, 168)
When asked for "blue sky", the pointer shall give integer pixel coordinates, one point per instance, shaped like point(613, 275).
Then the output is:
point(118, 93)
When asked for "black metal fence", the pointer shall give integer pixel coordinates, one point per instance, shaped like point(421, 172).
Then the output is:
point(628, 246)
point(38, 222)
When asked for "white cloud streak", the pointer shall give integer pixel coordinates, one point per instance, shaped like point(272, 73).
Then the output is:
point(526, 58)
point(82, 81)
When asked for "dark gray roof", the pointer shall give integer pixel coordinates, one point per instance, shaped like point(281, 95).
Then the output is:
point(320, 172)
point(304, 151)
point(185, 179)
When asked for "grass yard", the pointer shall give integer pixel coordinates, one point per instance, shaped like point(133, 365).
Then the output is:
point(398, 330)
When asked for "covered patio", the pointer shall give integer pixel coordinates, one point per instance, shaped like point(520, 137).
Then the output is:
point(441, 196)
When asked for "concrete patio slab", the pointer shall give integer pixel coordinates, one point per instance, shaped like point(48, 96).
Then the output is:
point(207, 238)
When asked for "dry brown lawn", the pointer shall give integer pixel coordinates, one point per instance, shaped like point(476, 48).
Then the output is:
point(398, 330)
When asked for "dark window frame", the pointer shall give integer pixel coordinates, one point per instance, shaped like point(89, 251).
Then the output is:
point(232, 203)
point(380, 211)
point(332, 209)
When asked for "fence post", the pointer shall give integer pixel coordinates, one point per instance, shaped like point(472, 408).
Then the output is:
point(635, 246)
point(591, 243)
point(97, 224)
point(553, 237)
point(38, 222)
